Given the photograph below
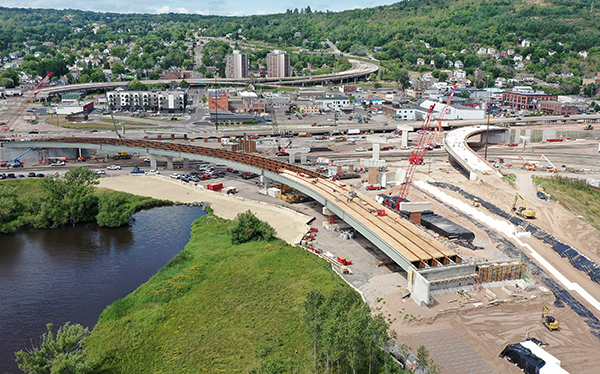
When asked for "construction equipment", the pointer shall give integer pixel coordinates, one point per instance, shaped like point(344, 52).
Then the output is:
point(17, 162)
point(476, 202)
point(542, 194)
point(417, 156)
point(588, 127)
point(112, 116)
point(21, 104)
point(550, 166)
point(522, 210)
point(548, 320)
point(122, 155)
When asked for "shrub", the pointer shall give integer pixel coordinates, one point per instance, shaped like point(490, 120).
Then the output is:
point(246, 227)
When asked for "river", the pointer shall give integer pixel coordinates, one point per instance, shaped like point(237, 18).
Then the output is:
point(73, 273)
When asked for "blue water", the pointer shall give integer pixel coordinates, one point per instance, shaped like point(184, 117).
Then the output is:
point(73, 273)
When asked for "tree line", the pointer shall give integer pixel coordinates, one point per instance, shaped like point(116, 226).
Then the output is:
point(66, 200)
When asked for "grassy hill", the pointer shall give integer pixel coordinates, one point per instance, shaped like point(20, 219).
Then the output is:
point(216, 307)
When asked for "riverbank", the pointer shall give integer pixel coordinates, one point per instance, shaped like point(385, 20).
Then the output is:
point(289, 225)
point(216, 307)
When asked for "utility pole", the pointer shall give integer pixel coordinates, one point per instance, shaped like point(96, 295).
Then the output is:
point(487, 112)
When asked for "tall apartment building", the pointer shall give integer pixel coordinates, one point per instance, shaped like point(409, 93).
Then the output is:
point(278, 64)
point(236, 65)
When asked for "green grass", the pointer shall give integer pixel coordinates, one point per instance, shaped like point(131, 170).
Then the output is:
point(575, 196)
point(216, 307)
point(510, 179)
point(25, 187)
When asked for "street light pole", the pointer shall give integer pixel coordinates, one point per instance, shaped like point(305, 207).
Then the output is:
point(487, 133)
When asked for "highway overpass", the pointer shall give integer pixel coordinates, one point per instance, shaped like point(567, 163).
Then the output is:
point(360, 69)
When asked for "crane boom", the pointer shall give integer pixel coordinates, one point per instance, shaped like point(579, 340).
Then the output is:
point(417, 156)
point(21, 104)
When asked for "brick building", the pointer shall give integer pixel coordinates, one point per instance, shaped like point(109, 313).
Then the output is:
point(556, 108)
point(219, 101)
point(526, 101)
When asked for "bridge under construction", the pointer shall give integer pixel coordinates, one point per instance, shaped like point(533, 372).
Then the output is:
point(426, 261)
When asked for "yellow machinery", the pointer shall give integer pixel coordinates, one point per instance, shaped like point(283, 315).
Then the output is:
point(476, 202)
point(522, 210)
point(548, 320)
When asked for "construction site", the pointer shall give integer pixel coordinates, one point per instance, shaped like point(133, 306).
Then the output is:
point(458, 249)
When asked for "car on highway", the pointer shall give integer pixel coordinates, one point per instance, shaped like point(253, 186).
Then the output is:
point(58, 163)
point(360, 149)
point(113, 167)
point(94, 130)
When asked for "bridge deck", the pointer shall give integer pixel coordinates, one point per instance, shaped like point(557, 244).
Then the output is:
point(405, 238)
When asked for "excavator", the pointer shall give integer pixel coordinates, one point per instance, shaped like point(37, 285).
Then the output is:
point(548, 320)
point(522, 210)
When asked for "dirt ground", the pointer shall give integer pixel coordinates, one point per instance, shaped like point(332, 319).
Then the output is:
point(289, 225)
point(478, 332)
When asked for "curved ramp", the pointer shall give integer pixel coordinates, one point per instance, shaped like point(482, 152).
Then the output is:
point(456, 145)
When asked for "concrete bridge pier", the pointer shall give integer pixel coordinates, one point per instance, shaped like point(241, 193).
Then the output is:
point(170, 163)
point(153, 162)
point(330, 215)
point(186, 163)
point(405, 130)
point(266, 182)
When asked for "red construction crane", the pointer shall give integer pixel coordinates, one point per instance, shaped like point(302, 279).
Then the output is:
point(21, 104)
point(417, 156)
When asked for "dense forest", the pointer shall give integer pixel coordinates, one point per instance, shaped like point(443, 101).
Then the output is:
point(558, 40)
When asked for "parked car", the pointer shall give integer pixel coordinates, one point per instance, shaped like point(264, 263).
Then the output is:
point(232, 170)
point(31, 175)
point(152, 172)
point(373, 187)
point(113, 167)
point(99, 171)
point(360, 149)
point(255, 136)
point(40, 175)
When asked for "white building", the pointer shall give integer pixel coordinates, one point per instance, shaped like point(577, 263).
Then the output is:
point(453, 112)
point(333, 103)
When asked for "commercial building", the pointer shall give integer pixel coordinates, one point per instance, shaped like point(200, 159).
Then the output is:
point(333, 103)
point(236, 65)
point(307, 106)
point(75, 107)
point(526, 101)
point(218, 101)
point(278, 64)
point(556, 108)
point(148, 101)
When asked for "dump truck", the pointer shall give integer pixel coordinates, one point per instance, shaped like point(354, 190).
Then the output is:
point(122, 155)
